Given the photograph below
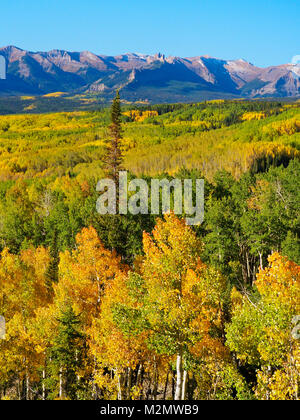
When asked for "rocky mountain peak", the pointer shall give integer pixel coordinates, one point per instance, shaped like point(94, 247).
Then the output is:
point(139, 76)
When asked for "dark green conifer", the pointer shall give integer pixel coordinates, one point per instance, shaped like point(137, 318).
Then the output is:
point(114, 157)
point(52, 271)
point(66, 356)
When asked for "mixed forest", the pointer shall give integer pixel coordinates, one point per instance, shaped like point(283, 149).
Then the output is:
point(143, 307)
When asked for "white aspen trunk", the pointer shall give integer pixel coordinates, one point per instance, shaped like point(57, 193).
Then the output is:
point(27, 387)
point(120, 395)
point(43, 386)
point(129, 383)
point(60, 384)
point(184, 384)
point(139, 375)
point(248, 266)
point(139, 379)
point(178, 391)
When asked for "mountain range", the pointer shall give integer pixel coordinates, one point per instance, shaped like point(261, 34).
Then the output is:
point(153, 78)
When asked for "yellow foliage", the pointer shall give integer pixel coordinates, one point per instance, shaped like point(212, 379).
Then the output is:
point(250, 116)
point(85, 273)
point(54, 95)
point(140, 116)
point(30, 107)
point(289, 127)
point(280, 279)
point(216, 101)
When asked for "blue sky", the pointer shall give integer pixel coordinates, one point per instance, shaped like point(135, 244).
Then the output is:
point(264, 32)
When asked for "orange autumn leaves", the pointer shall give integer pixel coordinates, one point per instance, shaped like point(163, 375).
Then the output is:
point(86, 272)
point(138, 320)
point(167, 306)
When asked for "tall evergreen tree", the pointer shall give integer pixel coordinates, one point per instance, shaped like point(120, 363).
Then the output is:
point(52, 271)
point(66, 356)
point(113, 164)
point(114, 157)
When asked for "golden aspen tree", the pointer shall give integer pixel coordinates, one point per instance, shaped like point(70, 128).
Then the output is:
point(178, 298)
point(262, 330)
point(22, 292)
point(85, 272)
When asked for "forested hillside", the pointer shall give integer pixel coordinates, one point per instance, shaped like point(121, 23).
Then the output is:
point(138, 307)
